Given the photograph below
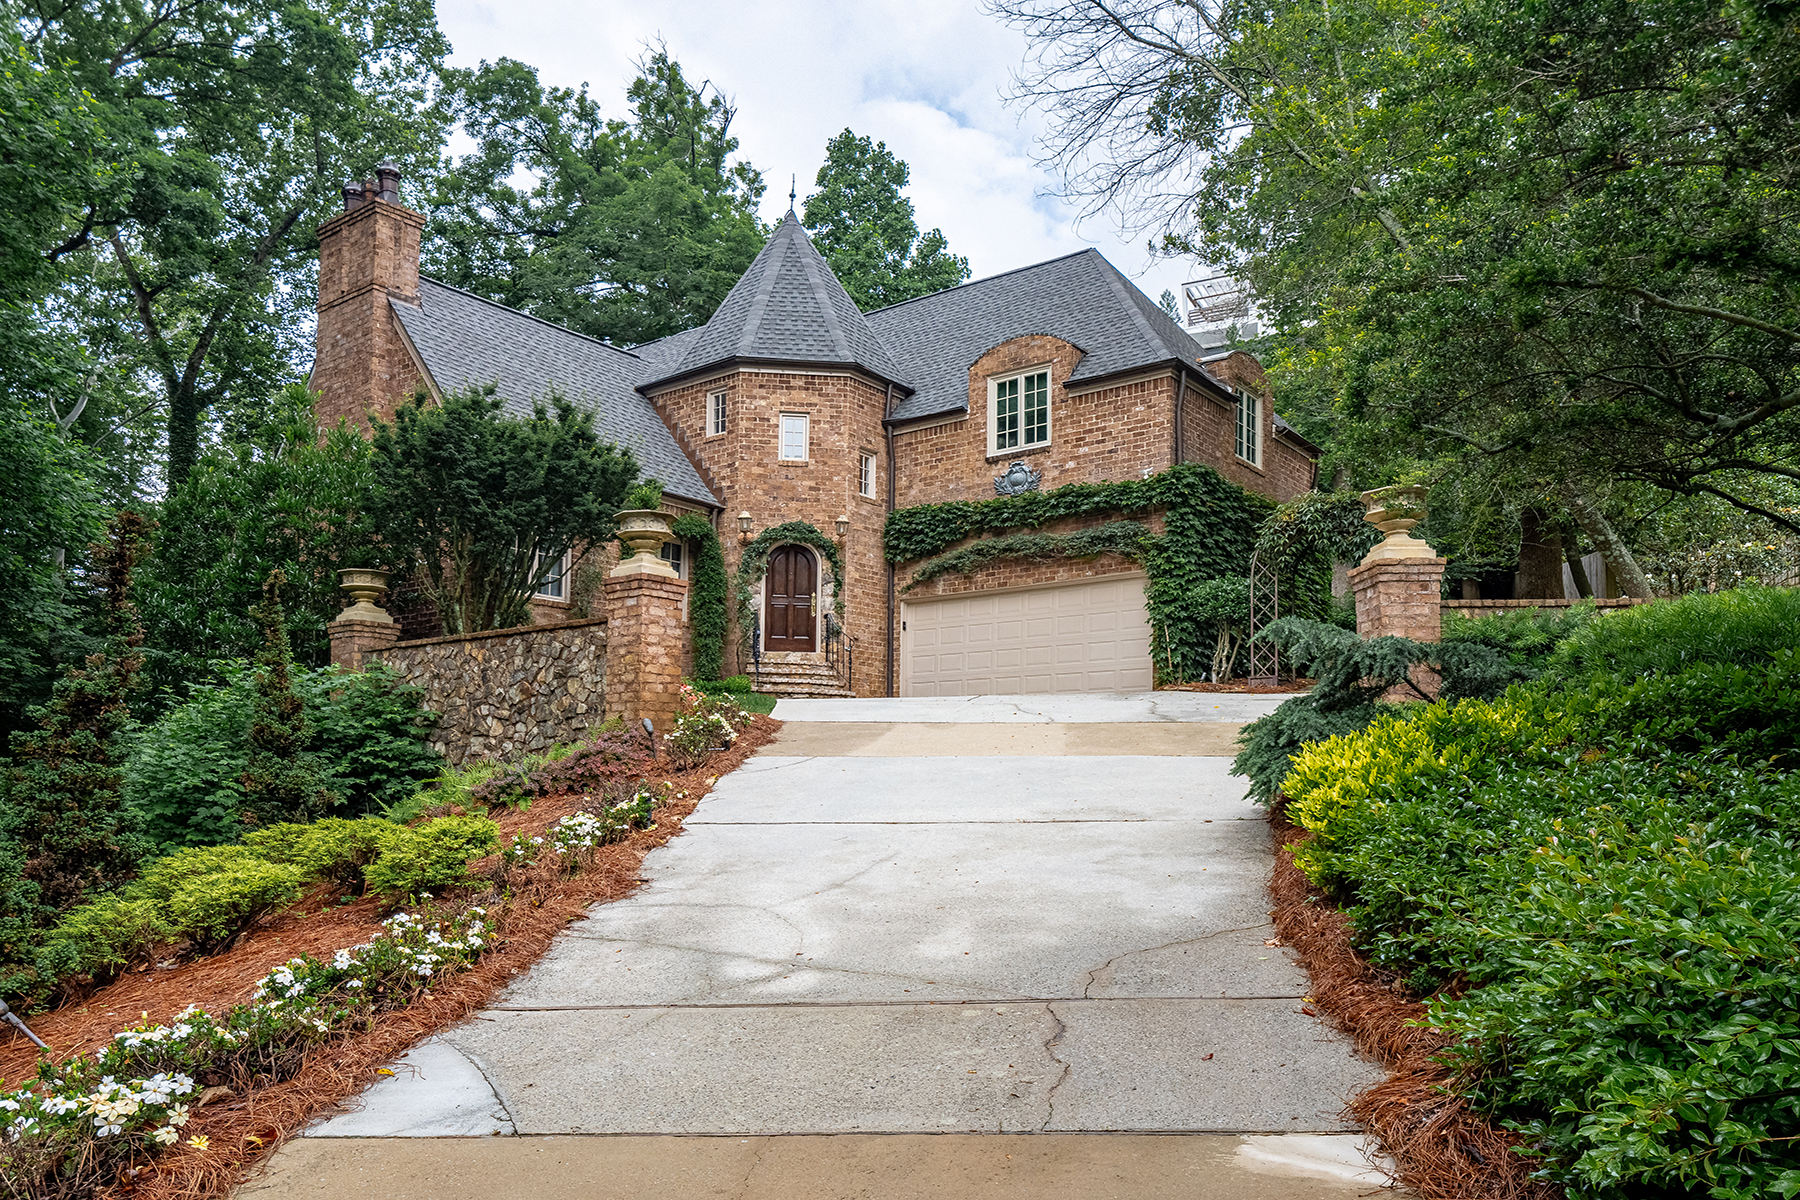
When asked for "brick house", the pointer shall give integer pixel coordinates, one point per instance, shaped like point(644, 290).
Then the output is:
point(791, 405)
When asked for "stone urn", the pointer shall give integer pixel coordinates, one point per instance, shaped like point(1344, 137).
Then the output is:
point(364, 584)
point(1394, 511)
point(644, 530)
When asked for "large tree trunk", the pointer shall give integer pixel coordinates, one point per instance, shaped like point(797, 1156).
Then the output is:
point(1540, 558)
point(1624, 568)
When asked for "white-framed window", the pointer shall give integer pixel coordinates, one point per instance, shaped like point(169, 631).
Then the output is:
point(1249, 427)
point(1019, 411)
point(715, 414)
point(865, 474)
point(555, 584)
point(674, 554)
point(795, 432)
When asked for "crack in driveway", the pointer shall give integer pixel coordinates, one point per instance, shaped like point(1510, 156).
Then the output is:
point(1092, 975)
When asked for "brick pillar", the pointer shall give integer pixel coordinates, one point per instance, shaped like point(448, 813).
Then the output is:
point(644, 641)
point(1401, 597)
point(354, 642)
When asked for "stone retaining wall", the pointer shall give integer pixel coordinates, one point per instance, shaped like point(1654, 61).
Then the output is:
point(508, 691)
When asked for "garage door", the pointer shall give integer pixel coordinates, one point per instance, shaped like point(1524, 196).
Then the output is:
point(1075, 637)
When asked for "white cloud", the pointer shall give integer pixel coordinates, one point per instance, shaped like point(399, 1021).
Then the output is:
point(924, 76)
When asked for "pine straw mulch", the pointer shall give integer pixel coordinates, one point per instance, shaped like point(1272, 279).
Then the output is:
point(1288, 687)
point(244, 1129)
point(1441, 1149)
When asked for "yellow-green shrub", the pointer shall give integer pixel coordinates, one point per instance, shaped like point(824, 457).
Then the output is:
point(433, 855)
point(334, 848)
point(1338, 783)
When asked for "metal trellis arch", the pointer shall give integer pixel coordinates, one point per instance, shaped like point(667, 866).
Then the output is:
point(1265, 607)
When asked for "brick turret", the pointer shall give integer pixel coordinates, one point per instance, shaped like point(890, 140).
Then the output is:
point(368, 255)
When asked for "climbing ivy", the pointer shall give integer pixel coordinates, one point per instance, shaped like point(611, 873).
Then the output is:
point(755, 562)
point(706, 595)
point(1302, 538)
point(1117, 537)
point(1210, 527)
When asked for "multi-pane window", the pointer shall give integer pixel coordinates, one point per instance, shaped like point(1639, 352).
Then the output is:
point(794, 436)
point(554, 586)
point(1249, 427)
point(865, 475)
point(715, 414)
point(673, 554)
point(1019, 411)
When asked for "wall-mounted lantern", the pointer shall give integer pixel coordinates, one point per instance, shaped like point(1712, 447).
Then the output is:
point(843, 527)
point(743, 527)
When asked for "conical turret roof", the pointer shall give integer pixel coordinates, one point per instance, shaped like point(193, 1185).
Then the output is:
point(788, 307)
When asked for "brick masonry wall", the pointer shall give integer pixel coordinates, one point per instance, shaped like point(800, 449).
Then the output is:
point(1021, 572)
point(644, 636)
point(1118, 432)
point(1209, 434)
point(845, 413)
point(362, 364)
point(509, 691)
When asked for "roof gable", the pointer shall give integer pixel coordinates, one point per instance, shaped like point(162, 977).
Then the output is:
point(788, 307)
point(463, 341)
point(1080, 298)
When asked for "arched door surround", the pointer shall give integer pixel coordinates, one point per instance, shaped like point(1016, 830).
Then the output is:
point(790, 596)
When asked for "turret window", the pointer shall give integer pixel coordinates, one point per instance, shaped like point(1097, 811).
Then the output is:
point(715, 414)
point(795, 432)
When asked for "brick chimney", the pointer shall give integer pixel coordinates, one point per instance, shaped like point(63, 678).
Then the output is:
point(367, 253)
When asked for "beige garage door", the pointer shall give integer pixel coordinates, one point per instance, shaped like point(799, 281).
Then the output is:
point(1074, 637)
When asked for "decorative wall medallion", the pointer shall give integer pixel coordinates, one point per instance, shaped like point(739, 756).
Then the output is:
point(1018, 480)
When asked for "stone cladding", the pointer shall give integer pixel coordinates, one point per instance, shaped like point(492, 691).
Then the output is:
point(509, 691)
point(362, 365)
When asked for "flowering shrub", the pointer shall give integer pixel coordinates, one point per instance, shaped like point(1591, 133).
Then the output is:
point(87, 1119)
point(709, 722)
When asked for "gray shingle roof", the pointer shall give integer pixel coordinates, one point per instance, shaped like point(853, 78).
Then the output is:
point(788, 307)
point(466, 340)
point(1081, 298)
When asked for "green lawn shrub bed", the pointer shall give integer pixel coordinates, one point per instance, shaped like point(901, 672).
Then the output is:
point(84, 1122)
point(1595, 877)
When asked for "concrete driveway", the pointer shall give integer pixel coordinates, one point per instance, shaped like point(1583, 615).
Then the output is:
point(1004, 916)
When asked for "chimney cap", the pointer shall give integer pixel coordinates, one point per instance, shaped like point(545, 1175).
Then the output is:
point(387, 182)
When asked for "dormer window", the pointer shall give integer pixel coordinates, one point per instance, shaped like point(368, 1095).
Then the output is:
point(1019, 411)
point(1249, 427)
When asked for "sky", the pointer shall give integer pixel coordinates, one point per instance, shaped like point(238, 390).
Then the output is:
point(927, 77)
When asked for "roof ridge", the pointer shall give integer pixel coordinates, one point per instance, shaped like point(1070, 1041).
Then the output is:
point(519, 312)
point(984, 279)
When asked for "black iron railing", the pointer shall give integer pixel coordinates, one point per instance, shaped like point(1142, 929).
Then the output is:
point(756, 648)
point(838, 650)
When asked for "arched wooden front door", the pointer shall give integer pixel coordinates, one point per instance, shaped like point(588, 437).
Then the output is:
point(788, 599)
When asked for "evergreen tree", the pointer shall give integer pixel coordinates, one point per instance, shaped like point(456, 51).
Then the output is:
point(64, 821)
point(866, 229)
point(280, 783)
point(632, 230)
